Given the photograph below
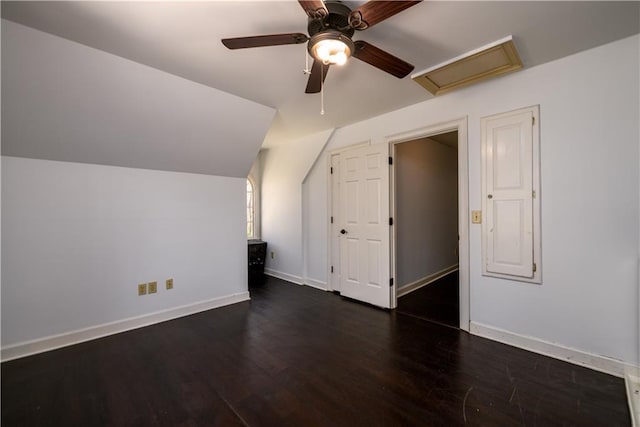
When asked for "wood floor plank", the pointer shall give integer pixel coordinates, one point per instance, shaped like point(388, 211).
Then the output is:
point(296, 356)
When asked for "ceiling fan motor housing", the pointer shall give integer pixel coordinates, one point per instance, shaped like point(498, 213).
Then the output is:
point(337, 20)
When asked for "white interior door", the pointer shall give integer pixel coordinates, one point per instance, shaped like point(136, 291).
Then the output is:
point(364, 218)
point(509, 194)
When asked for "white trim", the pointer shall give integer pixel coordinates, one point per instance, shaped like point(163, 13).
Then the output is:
point(296, 279)
point(632, 383)
point(393, 212)
point(463, 56)
point(596, 362)
point(317, 284)
point(53, 342)
point(414, 286)
point(459, 125)
point(463, 224)
point(340, 150)
point(284, 276)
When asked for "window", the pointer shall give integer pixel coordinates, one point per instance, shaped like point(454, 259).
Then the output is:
point(250, 209)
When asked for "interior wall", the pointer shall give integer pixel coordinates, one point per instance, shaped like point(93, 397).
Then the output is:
point(256, 169)
point(82, 236)
point(315, 226)
point(78, 238)
point(589, 195)
point(426, 190)
point(284, 169)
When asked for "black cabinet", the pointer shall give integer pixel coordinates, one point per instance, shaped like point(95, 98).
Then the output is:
point(257, 255)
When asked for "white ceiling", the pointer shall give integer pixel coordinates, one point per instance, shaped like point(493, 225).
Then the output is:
point(68, 102)
point(183, 38)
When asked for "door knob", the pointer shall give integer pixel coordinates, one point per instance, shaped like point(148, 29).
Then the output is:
point(343, 231)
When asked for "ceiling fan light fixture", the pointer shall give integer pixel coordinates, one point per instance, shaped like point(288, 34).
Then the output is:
point(331, 47)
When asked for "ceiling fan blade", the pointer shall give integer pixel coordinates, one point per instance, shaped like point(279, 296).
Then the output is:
point(267, 40)
point(315, 8)
point(380, 59)
point(317, 76)
point(372, 12)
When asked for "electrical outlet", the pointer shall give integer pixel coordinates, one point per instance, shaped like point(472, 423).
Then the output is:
point(142, 289)
point(273, 255)
point(153, 287)
point(169, 283)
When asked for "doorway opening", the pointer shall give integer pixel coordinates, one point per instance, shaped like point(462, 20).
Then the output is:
point(380, 254)
point(426, 235)
point(444, 136)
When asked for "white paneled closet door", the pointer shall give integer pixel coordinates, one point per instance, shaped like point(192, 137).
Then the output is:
point(509, 192)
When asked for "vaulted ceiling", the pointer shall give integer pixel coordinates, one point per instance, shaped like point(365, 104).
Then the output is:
point(183, 38)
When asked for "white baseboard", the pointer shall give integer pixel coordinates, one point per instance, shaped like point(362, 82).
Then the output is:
point(296, 279)
point(284, 276)
point(596, 362)
point(414, 286)
point(316, 284)
point(53, 342)
point(632, 383)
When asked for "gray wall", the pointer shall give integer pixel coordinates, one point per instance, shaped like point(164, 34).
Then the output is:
point(426, 209)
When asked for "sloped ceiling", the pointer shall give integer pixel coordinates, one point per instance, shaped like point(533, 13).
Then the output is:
point(183, 38)
point(68, 102)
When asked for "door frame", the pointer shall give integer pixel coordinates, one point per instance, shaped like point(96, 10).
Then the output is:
point(459, 125)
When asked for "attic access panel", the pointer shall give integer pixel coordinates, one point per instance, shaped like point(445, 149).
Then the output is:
point(493, 60)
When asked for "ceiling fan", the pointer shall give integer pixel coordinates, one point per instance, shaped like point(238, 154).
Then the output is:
point(330, 26)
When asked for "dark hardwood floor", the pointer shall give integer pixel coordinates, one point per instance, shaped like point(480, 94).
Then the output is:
point(297, 356)
point(437, 302)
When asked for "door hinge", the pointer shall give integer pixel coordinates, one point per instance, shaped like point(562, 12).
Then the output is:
point(331, 220)
point(533, 194)
point(332, 268)
point(533, 121)
point(391, 282)
point(331, 170)
point(390, 160)
point(535, 267)
point(390, 221)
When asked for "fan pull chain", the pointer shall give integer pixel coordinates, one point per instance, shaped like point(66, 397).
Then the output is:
point(306, 70)
point(322, 91)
